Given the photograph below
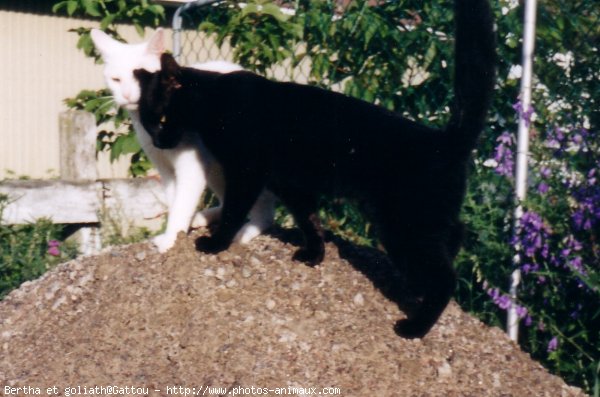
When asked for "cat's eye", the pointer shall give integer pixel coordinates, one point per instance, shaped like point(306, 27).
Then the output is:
point(163, 119)
point(116, 79)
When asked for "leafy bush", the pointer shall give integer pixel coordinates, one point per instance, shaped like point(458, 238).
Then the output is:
point(27, 251)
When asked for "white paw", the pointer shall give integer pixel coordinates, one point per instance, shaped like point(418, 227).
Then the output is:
point(164, 242)
point(247, 233)
point(206, 217)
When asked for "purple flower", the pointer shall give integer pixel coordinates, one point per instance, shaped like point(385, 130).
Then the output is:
point(577, 265)
point(587, 210)
point(501, 300)
point(553, 344)
point(53, 248)
point(530, 267)
point(592, 176)
point(522, 311)
point(503, 155)
point(543, 188)
point(545, 172)
point(541, 326)
point(533, 235)
point(524, 114)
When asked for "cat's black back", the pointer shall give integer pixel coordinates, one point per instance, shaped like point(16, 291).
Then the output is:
point(302, 142)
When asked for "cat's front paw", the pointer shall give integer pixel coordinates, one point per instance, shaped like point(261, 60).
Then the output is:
point(311, 257)
point(210, 245)
point(164, 242)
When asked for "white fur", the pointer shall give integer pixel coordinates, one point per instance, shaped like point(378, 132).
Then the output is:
point(187, 169)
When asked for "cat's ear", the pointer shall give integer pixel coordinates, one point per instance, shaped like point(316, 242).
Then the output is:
point(156, 44)
point(168, 65)
point(103, 42)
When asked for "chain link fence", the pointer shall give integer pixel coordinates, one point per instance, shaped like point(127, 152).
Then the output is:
point(192, 45)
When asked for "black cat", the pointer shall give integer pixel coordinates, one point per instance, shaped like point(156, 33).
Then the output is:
point(301, 142)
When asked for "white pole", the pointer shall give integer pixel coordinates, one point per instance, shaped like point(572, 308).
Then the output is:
point(522, 154)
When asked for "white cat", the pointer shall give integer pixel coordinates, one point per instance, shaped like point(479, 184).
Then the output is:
point(186, 169)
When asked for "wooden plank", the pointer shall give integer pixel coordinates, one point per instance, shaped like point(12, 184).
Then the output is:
point(135, 199)
point(60, 201)
point(82, 202)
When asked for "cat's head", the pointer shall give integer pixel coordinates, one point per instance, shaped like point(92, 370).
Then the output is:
point(120, 60)
point(157, 107)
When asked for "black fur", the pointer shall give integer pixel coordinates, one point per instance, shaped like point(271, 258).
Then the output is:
point(301, 142)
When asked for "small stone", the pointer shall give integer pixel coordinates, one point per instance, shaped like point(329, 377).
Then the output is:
point(296, 301)
point(224, 256)
point(287, 337)
point(231, 283)
point(220, 273)
point(246, 273)
point(58, 302)
point(444, 370)
point(140, 256)
point(359, 300)
point(270, 304)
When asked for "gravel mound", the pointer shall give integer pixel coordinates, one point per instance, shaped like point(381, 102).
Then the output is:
point(248, 321)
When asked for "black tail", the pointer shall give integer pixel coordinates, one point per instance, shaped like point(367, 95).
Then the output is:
point(474, 70)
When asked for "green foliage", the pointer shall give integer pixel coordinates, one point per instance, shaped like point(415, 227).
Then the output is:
point(27, 251)
point(259, 32)
point(140, 13)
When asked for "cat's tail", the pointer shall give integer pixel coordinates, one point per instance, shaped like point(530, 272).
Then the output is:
point(474, 71)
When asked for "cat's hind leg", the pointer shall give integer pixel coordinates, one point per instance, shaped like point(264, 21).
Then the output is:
point(427, 264)
point(304, 209)
point(207, 217)
point(260, 218)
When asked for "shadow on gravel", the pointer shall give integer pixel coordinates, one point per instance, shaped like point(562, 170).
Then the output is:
point(373, 263)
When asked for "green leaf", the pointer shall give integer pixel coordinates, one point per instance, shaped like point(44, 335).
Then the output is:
point(107, 21)
point(139, 29)
point(274, 11)
point(91, 8)
point(71, 7)
point(56, 7)
point(249, 9)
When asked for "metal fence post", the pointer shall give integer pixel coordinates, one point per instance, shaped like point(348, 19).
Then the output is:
point(522, 155)
point(177, 24)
